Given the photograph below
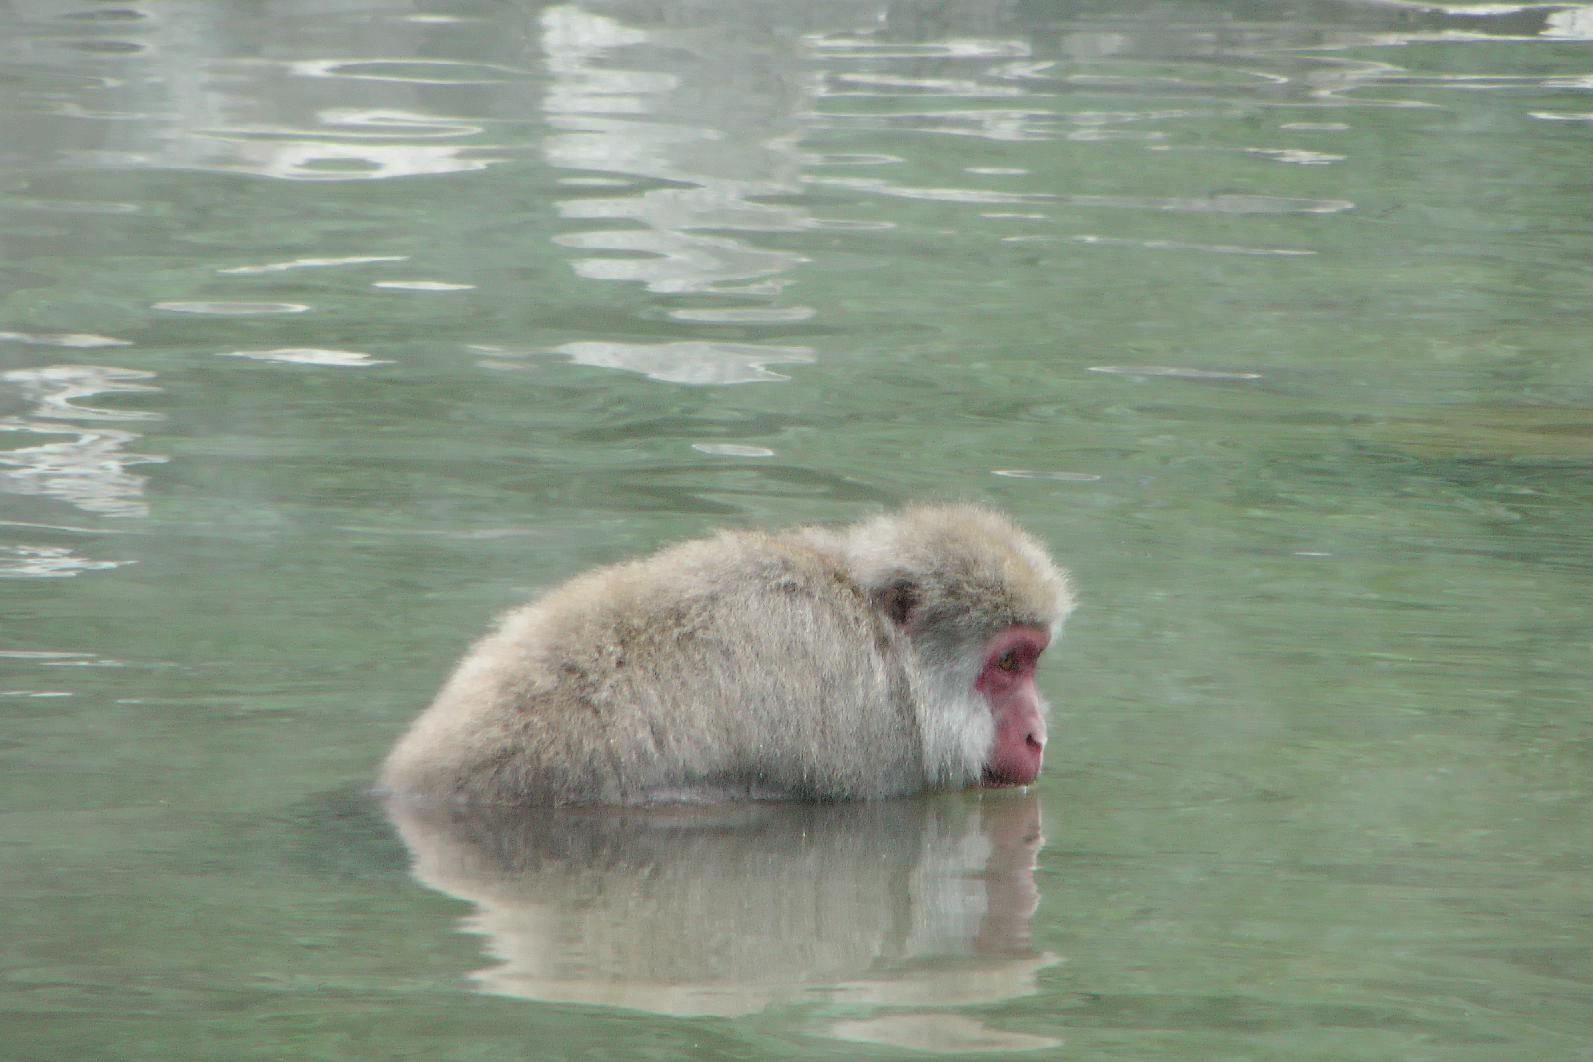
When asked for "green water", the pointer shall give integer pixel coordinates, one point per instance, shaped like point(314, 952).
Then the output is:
point(329, 329)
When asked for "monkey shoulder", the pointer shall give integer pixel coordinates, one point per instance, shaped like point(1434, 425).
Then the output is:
point(688, 585)
point(776, 585)
point(739, 595)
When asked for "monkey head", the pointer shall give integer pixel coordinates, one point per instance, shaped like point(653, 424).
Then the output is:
point(976, 601)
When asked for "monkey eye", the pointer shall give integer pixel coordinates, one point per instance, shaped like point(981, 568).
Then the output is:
point(1009, 662)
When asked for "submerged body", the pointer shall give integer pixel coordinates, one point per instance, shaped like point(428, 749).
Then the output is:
point(875, 660)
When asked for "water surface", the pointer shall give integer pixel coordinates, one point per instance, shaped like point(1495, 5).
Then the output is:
point(328, 330)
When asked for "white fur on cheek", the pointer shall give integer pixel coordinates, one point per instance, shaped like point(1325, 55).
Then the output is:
point(956, 725)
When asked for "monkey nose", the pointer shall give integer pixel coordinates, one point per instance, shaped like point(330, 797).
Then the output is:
point(1034, 737)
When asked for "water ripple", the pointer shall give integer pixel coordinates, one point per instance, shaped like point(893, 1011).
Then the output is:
point(744, 314)
point(691, 181)
point(88, 467)
point(1055, 476)
point(944, 195)
point(676, 262)
point(422, 285)
point(63, 339)
point(732, 450)
point(1172, 372)
point(847, 46)
point(1296, 156)
point(232, 309)
point(340, 160)
point(938, 86)
point(1003, 124)
point(347, 359)
point(690, 362)
point(18, 561)
point(1184, 245)
point(1216, 204)
point(409, 71)
point(313, 263)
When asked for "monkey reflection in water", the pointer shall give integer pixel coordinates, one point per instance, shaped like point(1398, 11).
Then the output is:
point(889, 657)
point(896, 909)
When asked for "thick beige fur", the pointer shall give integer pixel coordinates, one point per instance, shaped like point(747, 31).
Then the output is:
point(812, 663)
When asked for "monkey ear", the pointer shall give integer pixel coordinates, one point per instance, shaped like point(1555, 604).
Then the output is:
point(899, 601)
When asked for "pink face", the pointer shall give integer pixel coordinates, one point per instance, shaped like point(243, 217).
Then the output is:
point(1007, 681)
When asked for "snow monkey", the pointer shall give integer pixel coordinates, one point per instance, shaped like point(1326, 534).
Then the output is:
point(884, 658)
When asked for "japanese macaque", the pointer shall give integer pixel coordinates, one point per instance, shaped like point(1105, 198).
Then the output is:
point(884, 658)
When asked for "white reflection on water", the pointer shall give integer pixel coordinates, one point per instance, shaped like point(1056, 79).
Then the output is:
point(742, 314)
point(1217, 204)
point(943, 195)
point(313, 263)
point(889, 85)
point(1057, 477)
point(63, 339)
point(59, 658)
point(408, 71)
point(350, 359)
point(690, 362)
point(1012, 124)
point(732, 450)
point(89, 466)
point(718, 157)
point(342, 160)
point(232, 309)
point(1185, 245)
point(1295, 156)
point(848, 46)
point(422, 285)
point(299, 119)
point(44, 562)
point(1173, 372)
point(1571, 23)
